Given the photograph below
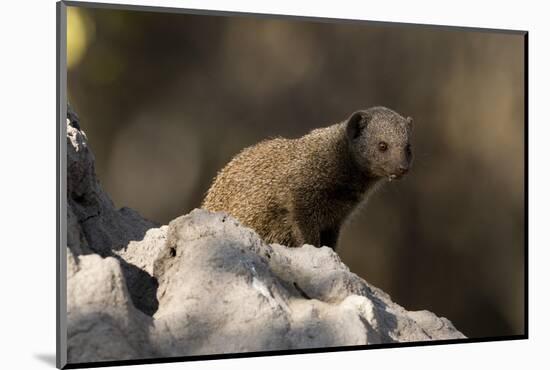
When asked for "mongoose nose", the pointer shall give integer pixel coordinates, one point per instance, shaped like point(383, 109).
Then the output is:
point(403, 170)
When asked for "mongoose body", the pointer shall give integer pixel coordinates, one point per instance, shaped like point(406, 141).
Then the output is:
point(300, 191)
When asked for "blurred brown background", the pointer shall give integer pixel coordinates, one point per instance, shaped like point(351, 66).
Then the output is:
point(167, 99)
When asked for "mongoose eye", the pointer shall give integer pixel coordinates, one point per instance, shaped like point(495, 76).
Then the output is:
point(382, 146)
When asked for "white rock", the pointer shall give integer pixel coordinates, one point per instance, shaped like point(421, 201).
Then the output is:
point(221, 289)
point(102, 322)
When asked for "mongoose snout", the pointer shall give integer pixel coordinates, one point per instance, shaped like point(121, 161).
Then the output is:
point(300, 191)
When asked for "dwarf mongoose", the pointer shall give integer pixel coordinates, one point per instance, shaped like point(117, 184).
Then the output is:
point(299, 191)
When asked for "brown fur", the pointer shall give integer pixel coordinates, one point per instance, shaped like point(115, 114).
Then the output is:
point(299, 191)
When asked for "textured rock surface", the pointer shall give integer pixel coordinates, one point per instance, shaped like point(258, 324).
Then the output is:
point(103, 324)
point(102, 227)
point(205, 284)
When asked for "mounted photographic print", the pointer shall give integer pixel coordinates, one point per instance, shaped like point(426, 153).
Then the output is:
point(234, 185)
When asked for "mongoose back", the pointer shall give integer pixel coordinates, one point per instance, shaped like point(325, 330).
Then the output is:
point(300, 191)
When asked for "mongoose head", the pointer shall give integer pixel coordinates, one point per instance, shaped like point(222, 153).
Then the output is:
point(380, 142)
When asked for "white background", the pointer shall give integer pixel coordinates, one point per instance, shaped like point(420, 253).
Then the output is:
point(27, 203)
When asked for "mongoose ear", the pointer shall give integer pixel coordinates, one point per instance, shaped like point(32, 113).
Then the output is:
point(353, 127)
point(410, 122)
